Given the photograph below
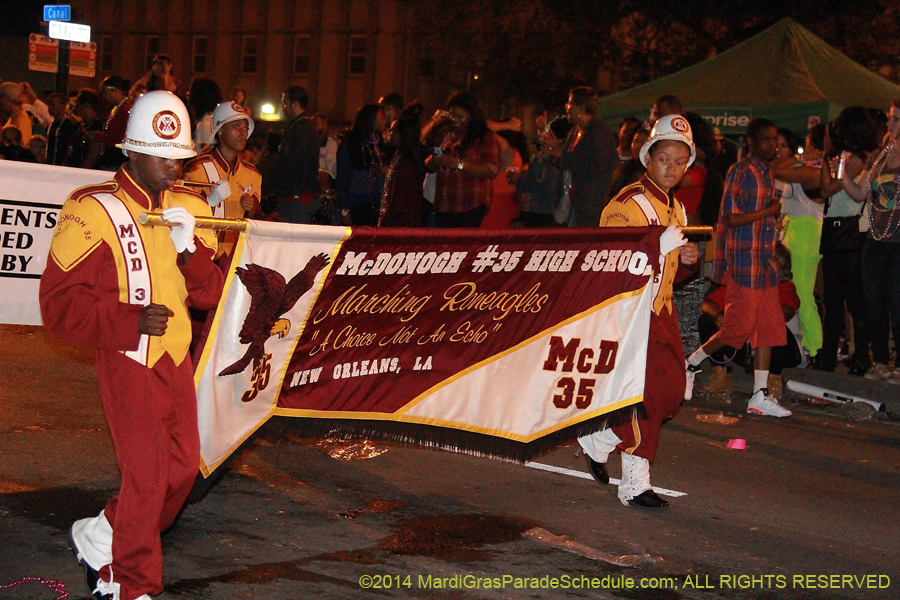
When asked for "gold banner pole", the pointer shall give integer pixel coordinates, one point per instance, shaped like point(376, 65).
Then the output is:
point(197, 184)
point(697, 233)
point(692, 232)
point(218, 224)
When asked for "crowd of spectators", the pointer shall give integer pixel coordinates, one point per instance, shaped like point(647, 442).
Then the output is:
point(394, 167)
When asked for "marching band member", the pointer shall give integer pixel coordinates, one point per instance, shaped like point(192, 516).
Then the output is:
point(123, 289)
point(237, 182)
point(667, 153)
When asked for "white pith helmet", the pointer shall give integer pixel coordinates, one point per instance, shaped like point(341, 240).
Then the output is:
point(226, 112)
point(159, 125)
point(669, 127)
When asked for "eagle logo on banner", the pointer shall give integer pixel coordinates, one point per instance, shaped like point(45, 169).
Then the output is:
point(270, 298)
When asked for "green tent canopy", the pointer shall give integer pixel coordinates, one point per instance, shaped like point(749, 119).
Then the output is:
point(785, 74)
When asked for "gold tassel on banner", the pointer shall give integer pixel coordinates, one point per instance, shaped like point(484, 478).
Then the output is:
point(216, 223)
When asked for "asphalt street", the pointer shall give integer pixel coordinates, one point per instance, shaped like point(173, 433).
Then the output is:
point(808, 510)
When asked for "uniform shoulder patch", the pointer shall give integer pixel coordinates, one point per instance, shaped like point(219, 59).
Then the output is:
point(250, 166)
point(89, 190)
point(183, 189)
point(80, 228)
point(622, 219)
point(628, 191)
point(197, 160)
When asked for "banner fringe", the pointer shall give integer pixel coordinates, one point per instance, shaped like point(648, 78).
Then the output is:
point(415, 435)
point(443, 438)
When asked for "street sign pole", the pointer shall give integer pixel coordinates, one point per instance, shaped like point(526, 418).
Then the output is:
point(66, 32)
point(60, 13)
point(62, 72)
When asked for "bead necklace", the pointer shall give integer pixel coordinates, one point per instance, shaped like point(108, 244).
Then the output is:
point(576, 137)
point(109, 119)
point(56, 586)
point(447, 144)
point(385, 193)
point(892, 204)
point(375, 158)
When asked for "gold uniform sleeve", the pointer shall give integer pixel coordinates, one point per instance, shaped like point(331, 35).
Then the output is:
point(623, 213)
point(78, 232)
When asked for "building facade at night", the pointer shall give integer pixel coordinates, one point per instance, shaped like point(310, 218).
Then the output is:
point(344, 52)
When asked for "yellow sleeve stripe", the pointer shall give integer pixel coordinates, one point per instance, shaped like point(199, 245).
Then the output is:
point(77, 260)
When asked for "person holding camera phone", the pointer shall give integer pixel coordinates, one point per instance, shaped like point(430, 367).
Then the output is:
point(160, 76)
point(878, 187)
point(588, 153)
point(466, 161)
point(851, 137)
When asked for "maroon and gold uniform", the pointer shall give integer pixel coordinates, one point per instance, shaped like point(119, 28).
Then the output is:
point(244, 178)
point(102, 270)
point(639, 205)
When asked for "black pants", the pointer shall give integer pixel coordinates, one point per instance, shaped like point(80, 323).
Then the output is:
point(530, 219)
point(364, 214)
point(472, 218)
point(783, 357)
point(881, 277)
point(842, 275)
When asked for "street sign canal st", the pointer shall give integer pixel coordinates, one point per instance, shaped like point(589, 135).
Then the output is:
point(57, 12)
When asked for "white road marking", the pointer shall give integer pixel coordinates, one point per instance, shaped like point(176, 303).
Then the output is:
point(583, 475)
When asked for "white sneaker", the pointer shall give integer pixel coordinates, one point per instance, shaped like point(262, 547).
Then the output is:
point(761, 404)
point(107, 591)
point(112, 591)
point(895, 376)
point(690, 373)
point(878, 372)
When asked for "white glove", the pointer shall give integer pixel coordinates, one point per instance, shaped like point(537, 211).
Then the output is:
point(183, 234)
point(219, 193)
point(671, 239)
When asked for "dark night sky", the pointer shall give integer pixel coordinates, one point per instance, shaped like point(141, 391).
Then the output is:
point(21, 17)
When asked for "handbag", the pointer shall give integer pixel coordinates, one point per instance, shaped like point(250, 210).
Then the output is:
point(564, 209)
point(840, 234)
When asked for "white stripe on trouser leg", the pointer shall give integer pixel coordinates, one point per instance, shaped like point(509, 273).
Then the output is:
point(94, 540)
point(600, 444)
point(635, 477)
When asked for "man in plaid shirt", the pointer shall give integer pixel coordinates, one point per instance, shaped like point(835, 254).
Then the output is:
point(745, 263)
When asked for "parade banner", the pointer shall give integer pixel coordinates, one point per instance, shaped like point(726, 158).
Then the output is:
point(482, 341)
point(31, 197)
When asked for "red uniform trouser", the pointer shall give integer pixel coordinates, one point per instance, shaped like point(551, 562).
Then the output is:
point(663, 387)
point(152, 417)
